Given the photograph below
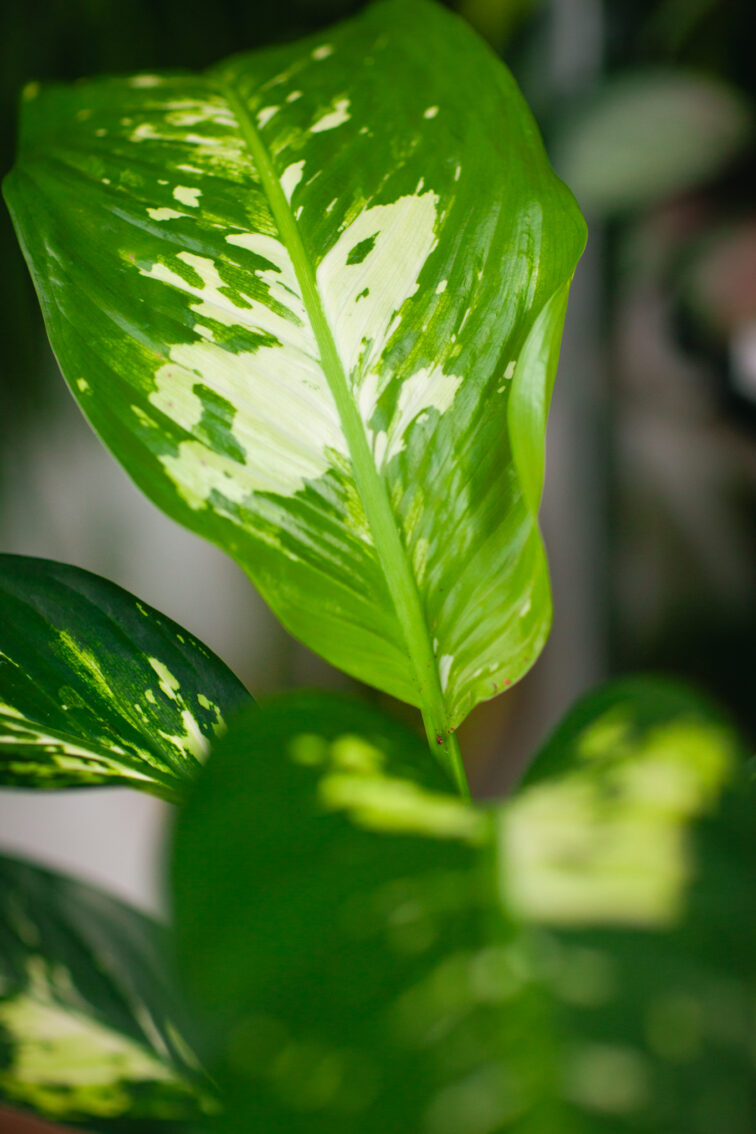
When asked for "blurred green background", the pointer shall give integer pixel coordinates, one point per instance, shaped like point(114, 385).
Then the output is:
point(647, 109)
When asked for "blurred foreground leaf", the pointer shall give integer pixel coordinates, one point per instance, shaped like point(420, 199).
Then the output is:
point(380, 955)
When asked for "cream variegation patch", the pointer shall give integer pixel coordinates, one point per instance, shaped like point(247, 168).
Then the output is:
point(291, 177)
point(336, 117)
point(608, 841)
point(165, 214)
point(361, 294)
point(283, 421)
point(191, 740)
point(428, 389)
point(38, 750)
point(284, 418)
point(65, 1062)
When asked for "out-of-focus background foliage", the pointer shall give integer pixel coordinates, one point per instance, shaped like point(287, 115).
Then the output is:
point(647, 108)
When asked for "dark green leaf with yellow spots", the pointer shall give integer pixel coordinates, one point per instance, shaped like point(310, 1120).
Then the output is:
point(96, 687)
point(91, 1031)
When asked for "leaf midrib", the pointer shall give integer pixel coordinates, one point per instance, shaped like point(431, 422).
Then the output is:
point(389, 547)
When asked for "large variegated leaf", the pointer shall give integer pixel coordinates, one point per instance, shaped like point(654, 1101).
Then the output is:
point(99, 688)
point(91, 1031)
point(385, 956)
point(295, 296)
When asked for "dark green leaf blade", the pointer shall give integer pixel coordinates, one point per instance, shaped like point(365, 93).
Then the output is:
point(292, 296)
point(96, 687)
point(373, 966)
point(91, 1030)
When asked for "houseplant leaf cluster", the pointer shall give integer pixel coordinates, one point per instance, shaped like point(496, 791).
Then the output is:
point(299, 308)
point(312, 301)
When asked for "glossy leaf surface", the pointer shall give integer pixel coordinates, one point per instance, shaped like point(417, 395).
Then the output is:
point(293, 295)
point(91, 1032)
point(381, 955)
point(96, 687)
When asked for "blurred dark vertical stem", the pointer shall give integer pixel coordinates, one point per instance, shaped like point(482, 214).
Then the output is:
point(575, 503)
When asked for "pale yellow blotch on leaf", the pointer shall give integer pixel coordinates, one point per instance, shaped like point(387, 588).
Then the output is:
point(167, 682)
point(264, 116)
point(186, 196)
point(427, 389)
point(291, 177)
point(145, 81)
point(219, 725)
point(174, 395)
point(285, 421)
point(164, 214)
point(192, 739)
point(444, 668)
point(198, 472)
point(336, 117)
point(612, 846)
point(382, 803)
point(403, 237)
point(69, 1063)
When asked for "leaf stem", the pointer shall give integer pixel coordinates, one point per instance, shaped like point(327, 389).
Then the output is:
point(452, 756)
point(370, 485)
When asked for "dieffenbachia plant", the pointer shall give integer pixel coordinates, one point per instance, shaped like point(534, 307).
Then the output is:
point(312, 300)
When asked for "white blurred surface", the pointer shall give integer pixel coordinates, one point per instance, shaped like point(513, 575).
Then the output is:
point(112, 837)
